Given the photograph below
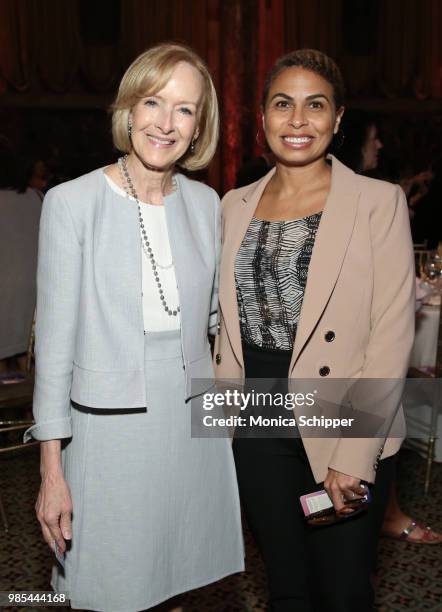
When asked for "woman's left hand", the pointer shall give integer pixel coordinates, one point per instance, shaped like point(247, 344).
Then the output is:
point(340, 487)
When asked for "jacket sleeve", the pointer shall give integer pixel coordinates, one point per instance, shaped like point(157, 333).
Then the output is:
point(213, 318)
point(58, 290)
point(392, 333)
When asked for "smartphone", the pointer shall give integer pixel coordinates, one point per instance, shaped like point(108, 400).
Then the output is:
point(315, 502)
point(319, 503)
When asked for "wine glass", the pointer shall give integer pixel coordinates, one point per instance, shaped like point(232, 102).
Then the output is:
point(431, 270)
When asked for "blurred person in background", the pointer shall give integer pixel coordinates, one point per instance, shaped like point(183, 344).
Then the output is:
point(425, 197)
point(20, 207)
point(359, 150)
point(360, 143)
point(39, 176)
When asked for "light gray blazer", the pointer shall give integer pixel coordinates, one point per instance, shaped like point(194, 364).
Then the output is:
point(89, 327)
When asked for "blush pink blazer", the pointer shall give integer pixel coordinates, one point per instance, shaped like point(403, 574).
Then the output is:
point(360, 286)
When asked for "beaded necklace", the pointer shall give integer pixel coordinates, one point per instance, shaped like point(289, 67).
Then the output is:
point(130, 190)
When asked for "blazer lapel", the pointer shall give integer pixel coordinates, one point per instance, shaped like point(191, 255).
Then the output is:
point(233, 237)
point(332, 239)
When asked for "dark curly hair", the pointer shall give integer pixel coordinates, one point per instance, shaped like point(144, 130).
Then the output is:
point(309, 59)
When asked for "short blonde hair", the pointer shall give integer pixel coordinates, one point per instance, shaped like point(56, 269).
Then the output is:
point(147, 75)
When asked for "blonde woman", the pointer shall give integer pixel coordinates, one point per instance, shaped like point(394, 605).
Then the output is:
point(127, 293)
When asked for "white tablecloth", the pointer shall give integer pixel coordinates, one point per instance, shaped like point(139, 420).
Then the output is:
point(424, 355)
point(425, 343)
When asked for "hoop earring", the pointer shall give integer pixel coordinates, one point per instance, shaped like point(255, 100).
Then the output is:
point(261, 144)
point(338, 138)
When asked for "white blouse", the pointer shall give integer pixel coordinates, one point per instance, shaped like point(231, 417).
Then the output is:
point(155, 317)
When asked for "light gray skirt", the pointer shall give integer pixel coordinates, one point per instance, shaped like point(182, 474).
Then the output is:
point(156, 513)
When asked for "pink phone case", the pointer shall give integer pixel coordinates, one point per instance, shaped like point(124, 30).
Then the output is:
point(327, 503)
point(304, 499)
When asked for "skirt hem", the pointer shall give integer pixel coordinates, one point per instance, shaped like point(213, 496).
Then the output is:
point(83, 605)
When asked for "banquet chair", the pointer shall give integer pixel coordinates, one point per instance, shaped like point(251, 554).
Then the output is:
point(428, 446)
point(16, 399)
point(421, 245)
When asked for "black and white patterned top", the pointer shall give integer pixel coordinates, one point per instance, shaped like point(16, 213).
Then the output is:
point(271, 274)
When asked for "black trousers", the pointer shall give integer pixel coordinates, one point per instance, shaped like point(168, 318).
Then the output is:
point(320, 569)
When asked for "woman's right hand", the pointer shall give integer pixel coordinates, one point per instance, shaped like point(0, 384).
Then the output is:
point(54, 510)
point(54, 503)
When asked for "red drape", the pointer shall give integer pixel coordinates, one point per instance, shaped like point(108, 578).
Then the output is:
point(14, 45)
point(42, 52)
